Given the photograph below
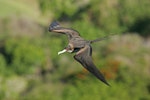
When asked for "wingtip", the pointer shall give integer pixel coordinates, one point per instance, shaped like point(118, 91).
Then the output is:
point(107, 84)
point(53, 25)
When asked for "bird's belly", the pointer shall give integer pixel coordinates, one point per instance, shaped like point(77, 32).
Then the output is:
point(78, 44)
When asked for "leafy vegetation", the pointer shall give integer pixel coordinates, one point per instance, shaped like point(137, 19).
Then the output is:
point(31, 69)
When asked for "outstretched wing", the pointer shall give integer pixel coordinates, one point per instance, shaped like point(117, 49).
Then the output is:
point(83, 56)
point(55, 27)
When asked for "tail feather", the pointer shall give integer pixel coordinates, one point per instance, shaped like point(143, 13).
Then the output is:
point(100, 39)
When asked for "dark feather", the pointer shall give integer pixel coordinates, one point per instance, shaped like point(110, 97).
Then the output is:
point(55, 27)
point(85, 59)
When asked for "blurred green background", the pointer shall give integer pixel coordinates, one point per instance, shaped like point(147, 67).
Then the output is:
point(30, 68)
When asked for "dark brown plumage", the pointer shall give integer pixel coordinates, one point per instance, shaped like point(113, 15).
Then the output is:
point(81, 47)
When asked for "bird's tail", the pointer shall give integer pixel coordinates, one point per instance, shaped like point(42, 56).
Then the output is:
point(100, 39)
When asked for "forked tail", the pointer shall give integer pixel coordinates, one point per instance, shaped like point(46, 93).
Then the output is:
point(100, 39)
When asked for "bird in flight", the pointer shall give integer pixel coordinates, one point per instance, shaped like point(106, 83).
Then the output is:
point(81, 47)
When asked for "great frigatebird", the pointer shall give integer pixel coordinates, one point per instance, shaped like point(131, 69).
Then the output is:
point(81, 47)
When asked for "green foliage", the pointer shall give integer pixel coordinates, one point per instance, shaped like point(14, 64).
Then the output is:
point(67, 8)
point(31, 69)
point(2, 64)
point(11, 87)
point(89, 33)
point(45, 91)
point(25, 55)
point(110, 16)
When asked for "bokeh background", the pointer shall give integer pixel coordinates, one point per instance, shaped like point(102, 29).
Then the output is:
point(30, 68)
